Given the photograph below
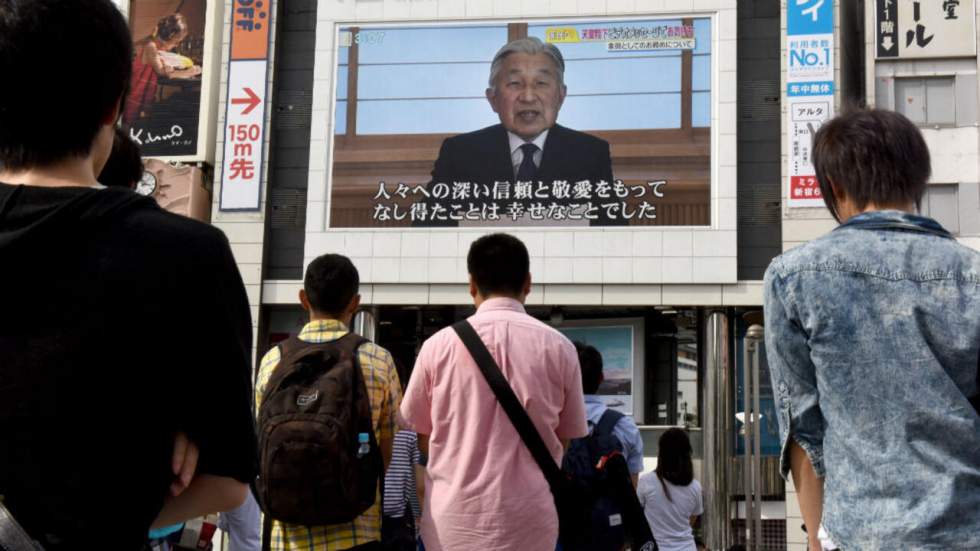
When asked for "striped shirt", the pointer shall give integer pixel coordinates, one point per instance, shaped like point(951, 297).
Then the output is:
point(400, 484)
point(384, 393)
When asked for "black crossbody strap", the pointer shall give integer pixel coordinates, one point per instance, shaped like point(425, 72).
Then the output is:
point(266, 532)
point(508, 400)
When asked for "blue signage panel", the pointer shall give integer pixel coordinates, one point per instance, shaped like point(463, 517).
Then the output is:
point(825, 88)
point(809, 16)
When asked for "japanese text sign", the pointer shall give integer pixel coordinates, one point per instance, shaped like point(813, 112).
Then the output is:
point(809, 16)
point(925, 28)
point(245, 109)
point(809, 91)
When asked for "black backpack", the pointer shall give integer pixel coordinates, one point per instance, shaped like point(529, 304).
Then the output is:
point(315, 406)
point(608, 523)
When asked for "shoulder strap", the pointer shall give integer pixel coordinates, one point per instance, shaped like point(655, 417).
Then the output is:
point(607, 422)
point(508, 401)
point(289, 346)
point(266, 532)
point(348, 343)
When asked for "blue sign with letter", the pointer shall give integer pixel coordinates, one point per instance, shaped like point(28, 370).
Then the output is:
point(809, 16)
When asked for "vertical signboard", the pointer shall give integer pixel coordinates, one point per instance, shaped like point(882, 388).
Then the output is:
point(809, 91)
point(163, 112)
point(241, 167)
point(925, 28)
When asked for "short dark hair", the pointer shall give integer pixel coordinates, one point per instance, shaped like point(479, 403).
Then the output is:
point(499, 264)
point(331, 282)
point(873, 156)
point(124, 167)
point(51, 107)
point(590, 360)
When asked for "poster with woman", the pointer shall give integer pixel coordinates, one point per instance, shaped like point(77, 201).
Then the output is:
point(616, 343)
point(162, 112)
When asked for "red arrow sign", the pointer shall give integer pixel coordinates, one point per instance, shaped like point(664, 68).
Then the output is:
point(251, 101)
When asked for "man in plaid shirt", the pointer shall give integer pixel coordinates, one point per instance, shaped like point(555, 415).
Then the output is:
point(330, 297)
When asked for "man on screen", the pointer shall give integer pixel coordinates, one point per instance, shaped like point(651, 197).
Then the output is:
point(527, 89)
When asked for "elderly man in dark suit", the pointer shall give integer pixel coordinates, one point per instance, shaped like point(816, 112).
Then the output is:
point(526, 91)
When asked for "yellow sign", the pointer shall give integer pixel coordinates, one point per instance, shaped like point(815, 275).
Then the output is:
point(560, 35)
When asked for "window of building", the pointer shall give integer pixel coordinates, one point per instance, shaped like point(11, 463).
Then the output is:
point(941, 203)
point(926, 101)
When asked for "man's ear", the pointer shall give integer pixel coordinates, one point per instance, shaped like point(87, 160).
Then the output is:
point(839, 192)
point(562, 92)
point(305, 301)
point(354, 304)
point(527, 285)
point(491, 96)
point(113, 115)
point(473, 290)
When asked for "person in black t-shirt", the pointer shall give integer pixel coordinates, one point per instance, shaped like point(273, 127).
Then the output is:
point(124, 167)
point(125, 333)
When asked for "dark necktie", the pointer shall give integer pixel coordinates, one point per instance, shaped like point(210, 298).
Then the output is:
point(527, 170)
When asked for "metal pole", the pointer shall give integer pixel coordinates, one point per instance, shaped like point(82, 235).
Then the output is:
point(717, 433)
point(366, 323)
point(757, 336)
point(753, 485)
point(747, 444)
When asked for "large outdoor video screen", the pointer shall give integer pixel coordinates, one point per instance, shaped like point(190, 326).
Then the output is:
point(425, 136)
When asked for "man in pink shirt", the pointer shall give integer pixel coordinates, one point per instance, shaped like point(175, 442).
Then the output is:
point(483, 489)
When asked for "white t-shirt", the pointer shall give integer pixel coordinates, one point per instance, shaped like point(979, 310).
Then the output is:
point(670, 520)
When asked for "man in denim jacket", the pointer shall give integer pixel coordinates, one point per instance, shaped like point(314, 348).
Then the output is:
point(873, 340)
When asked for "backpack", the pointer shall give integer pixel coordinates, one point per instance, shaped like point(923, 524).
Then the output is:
point(313, 469)
point(584, 460)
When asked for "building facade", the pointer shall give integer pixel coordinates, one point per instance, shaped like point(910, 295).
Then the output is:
point(328, 119)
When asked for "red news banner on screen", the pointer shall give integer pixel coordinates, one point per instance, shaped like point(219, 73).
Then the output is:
point(241, 167)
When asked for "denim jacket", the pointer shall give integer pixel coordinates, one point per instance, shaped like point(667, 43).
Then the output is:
point(873, 342)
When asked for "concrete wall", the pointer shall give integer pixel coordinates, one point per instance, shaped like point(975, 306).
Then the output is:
point(245, 230)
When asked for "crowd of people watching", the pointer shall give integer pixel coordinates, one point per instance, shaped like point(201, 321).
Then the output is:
point(497, 439)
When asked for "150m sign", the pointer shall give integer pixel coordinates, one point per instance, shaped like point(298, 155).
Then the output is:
point(241, 170)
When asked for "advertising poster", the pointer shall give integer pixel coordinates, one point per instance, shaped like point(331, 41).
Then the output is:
point(615, 343)
point(424, 137)
point(924, 28)
point(162, 112)
point(809, 92)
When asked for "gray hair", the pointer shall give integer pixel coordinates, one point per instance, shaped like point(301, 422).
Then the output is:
point(531, 46)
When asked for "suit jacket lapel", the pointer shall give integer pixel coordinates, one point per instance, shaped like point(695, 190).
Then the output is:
point(499, 161)
point(550, 157)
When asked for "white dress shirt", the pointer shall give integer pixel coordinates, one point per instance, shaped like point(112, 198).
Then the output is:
point(517, 154)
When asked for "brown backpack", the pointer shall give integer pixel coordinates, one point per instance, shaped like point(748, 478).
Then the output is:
point(313, 468)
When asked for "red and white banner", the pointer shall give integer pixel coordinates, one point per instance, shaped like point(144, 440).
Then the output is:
point(241, 167)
